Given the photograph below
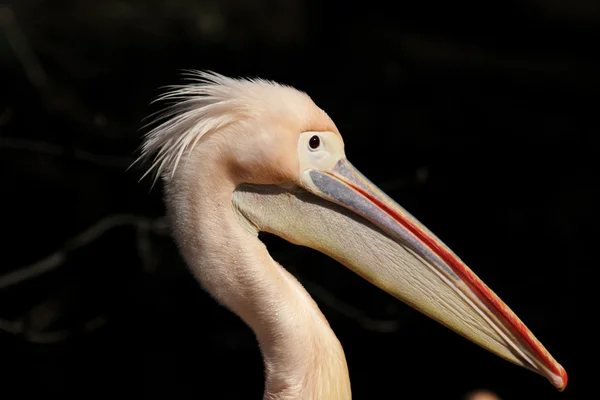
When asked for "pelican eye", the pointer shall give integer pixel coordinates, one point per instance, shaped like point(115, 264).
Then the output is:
point(314, 142)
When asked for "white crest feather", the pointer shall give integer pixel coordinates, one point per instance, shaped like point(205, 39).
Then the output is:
point(211, 102)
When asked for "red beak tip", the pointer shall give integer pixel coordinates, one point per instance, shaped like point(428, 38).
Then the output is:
point(561, 382)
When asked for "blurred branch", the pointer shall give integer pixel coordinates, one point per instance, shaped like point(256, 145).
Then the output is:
point(560, 69)
point(143, 226)
point(20, 46)
point(18, 328)
point(368, 323)
point(58, 258)
point(5, 116)
point(60, 151)
point(58, 99)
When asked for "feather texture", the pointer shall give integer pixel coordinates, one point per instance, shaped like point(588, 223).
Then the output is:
point(207, 104)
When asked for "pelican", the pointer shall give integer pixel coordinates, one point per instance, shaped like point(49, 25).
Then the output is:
point(239, 156)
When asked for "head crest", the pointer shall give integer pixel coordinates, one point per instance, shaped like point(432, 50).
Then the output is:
point(210, 102)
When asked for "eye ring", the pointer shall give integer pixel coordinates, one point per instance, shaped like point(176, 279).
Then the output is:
point(314, 142)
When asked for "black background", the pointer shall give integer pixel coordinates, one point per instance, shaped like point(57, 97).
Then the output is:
point(481, 120)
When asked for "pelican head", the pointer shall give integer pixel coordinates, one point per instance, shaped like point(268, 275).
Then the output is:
point(240, 156)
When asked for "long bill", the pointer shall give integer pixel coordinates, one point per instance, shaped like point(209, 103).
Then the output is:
point(354, 222)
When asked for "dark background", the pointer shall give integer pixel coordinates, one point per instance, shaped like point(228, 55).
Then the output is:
point(480, 119)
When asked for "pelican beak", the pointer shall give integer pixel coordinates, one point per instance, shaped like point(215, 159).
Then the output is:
point(354, 222)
